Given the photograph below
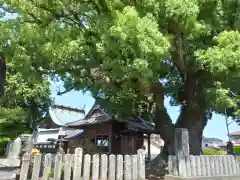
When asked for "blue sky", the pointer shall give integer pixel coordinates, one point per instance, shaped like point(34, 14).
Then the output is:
point(216, 127)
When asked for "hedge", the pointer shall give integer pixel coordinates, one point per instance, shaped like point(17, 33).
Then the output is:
point(213, 151)
point(236, 150)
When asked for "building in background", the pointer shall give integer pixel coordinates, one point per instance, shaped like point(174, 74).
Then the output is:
point(235, 138)
point(103, 133)
point(55, 127)
point(156, 145)
point(211, 142)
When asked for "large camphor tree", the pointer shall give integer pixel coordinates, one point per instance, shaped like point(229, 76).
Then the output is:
point(131, 54)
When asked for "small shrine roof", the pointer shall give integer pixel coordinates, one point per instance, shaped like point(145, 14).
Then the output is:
point(62, 115)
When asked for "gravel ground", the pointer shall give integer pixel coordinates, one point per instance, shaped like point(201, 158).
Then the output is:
point(6, 175)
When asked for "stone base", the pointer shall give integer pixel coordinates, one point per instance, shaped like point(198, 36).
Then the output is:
point(235, 177)
point(8, 163)
point(7, 175)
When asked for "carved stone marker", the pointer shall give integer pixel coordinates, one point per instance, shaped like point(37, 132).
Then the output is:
point(12, 154)
point(181, 142)
point(14, 148)
point(27, 143)
point(182, 149)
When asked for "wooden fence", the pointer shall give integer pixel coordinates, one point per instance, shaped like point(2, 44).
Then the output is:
point(195, 166)
point(85, 167)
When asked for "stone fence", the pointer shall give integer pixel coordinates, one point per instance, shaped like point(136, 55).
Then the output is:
point(184, 166)
point(195, 166)
point(80, 166)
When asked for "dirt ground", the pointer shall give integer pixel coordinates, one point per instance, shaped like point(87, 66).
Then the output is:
point(154, 174)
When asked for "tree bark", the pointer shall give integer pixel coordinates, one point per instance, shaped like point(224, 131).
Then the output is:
point(193, 119)
point(193, 113)
point(165, 127)
point(162, 120)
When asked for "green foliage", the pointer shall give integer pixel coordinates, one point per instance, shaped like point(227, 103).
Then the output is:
point(236, 150)
point(23, 105)
point(27, 95)
point(3, 144)
point(10, 118)
point(213, 151)
point(53, 171)
point(119, 49)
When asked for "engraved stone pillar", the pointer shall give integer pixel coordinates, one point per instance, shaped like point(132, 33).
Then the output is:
point(182, 149)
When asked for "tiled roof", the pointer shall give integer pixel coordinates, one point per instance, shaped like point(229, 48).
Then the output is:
point(211, 139)
point(139, 123)
point(97, 115)
point(62, 115)
point(91, 120)
point(236, 133)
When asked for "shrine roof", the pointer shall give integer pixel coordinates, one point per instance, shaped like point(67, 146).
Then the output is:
point(62, 115)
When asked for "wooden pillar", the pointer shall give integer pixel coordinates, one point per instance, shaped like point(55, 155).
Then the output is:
point(132, 144)
point(149, 147)
point(110, 143)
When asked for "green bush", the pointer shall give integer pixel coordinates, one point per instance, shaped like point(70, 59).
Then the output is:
point(212, 151)
point(236, 150)
point(3, 144)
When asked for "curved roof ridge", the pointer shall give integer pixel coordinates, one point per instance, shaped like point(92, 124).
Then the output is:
point(62, 115)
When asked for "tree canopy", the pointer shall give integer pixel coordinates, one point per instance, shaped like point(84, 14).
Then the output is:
point(131, 54)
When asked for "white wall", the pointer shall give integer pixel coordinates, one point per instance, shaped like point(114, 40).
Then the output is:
point(154, 151)
point(42, 136)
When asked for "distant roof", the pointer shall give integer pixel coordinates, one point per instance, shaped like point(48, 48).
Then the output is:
point(236, 133)
point(94, 116)
point(97, 115)
point(211, 139)
point(62, 115)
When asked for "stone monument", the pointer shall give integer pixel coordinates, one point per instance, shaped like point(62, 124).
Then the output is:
point(14, 149)
point(181, 149)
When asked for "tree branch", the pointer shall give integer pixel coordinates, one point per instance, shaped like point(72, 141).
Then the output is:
point(65, 91)
point(158, 95)
point(56, 15)
point(6, 8)
point(180, 62)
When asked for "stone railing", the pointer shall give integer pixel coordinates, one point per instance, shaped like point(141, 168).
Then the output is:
point(184, 166)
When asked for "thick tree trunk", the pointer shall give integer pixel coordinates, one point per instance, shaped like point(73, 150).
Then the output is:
point(193, 119)
point(190, 119)
point(162, 120)
point(164, 126)
point(193, 113)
